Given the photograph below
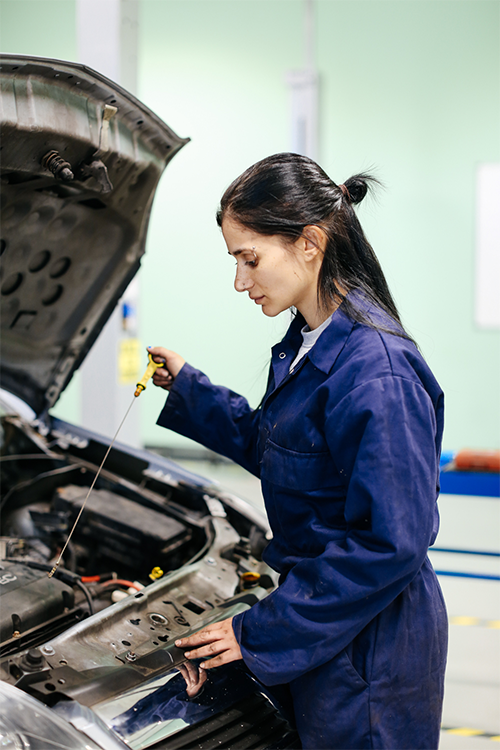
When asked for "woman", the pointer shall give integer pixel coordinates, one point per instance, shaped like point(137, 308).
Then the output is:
point(346, 443)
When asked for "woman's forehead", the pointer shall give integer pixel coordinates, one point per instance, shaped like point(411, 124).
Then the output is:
point(238, 238)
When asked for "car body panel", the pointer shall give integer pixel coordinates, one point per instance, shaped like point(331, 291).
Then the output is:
point(72, 236)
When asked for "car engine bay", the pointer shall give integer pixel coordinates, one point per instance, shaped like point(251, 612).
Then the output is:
point(152, 558)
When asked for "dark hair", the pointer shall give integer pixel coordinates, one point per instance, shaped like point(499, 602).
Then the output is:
point(284, 193)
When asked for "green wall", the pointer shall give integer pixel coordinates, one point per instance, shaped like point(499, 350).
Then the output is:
point(410, 88)
point(45, 28)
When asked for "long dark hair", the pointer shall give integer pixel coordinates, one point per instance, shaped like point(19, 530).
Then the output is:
point(284, 193)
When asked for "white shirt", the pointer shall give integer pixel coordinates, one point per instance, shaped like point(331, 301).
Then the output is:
point(309, 338)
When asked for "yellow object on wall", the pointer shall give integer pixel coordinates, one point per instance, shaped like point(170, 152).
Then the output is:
point(129, 361)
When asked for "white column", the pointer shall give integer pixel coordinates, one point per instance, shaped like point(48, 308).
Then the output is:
point(303, 86)
point(107, 39)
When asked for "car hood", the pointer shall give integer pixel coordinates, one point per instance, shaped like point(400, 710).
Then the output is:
point(80, 162)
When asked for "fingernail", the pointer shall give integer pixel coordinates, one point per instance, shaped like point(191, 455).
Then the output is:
point(178, 643)
point(187, 653)
point(203, 666)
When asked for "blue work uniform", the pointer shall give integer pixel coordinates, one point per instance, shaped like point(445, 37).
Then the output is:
point(347, 448)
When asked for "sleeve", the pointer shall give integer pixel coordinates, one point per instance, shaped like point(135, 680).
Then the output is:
point(381, 437)
point(214, 416)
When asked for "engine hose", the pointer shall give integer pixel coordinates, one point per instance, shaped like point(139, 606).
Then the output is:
point(87, 595)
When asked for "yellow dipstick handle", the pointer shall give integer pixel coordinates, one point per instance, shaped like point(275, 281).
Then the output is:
point(150, 371)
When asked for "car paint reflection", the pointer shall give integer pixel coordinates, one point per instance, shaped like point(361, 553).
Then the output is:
point(162, 707)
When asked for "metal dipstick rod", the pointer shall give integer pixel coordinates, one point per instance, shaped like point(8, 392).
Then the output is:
point(141, 386)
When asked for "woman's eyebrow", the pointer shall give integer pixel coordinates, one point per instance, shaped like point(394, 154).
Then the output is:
point(242, 250)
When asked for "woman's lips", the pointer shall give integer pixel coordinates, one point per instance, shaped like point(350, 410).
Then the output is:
point(257, 300)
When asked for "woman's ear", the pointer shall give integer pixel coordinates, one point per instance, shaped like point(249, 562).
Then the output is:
point(315, 241)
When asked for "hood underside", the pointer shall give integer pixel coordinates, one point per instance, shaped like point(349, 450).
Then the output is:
point(80, 162)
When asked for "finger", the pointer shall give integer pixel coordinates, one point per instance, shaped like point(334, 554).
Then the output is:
point(158, 351)
point(161, 376)
point(209, 633)
point(208, 650)
point(217, 661)
point(165, 380)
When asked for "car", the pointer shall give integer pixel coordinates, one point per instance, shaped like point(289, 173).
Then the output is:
point(87, 652)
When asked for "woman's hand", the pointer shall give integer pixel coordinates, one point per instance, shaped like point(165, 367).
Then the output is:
point(217, 641)
point(164, 376)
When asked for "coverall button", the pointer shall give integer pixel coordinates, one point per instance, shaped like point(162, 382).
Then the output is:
point(282, 355)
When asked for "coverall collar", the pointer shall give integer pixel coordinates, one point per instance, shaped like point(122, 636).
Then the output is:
point(327, 348)
point(323, 354)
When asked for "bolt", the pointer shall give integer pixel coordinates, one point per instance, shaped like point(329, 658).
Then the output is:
point(34, 657)
point(48, 650)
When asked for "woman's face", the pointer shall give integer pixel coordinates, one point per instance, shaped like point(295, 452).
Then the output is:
point(276, 276)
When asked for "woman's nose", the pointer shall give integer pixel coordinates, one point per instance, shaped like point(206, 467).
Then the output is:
point(241, 281)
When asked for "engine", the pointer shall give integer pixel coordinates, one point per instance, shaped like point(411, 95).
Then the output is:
point(127, 535)
point(138, 524)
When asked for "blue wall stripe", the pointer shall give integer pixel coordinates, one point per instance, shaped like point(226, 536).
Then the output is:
point(455, 574)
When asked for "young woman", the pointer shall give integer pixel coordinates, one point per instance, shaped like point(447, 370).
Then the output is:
point(346, 443)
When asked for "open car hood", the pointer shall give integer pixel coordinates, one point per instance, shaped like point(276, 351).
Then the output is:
point(80, 162)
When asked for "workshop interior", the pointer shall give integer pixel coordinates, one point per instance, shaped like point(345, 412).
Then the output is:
point(123, 122)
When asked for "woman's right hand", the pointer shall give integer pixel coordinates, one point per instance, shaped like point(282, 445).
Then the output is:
point(164, 376)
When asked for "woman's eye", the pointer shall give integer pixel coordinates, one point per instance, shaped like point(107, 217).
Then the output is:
point(251, 263)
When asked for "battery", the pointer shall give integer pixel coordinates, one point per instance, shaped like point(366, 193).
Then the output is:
point(121, 529)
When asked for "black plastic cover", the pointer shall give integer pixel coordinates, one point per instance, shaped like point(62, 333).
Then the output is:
point(29, 598)
point(125, 532)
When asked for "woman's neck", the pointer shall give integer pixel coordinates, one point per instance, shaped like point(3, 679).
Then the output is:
point(317, 315)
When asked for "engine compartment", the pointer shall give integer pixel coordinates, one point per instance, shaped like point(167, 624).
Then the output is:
point(140, 524)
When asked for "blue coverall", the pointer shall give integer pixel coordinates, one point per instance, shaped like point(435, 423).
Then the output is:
point(347, 449)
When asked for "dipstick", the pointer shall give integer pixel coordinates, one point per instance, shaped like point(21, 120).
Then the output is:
point(150, 371)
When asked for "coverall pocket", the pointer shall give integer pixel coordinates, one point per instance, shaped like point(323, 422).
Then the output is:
point(304, 499)
point(333, 690)
point(350, 670)
point(296, 470)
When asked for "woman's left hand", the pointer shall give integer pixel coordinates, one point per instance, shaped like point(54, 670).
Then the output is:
point(216, 640)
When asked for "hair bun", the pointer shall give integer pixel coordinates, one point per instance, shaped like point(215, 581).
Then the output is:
point(358, 186)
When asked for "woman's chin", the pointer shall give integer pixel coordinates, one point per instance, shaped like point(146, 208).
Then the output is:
point(270, 312)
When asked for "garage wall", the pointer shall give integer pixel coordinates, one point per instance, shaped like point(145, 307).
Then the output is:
point(408, 87)
point(216, 72)
point(414, 88)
